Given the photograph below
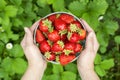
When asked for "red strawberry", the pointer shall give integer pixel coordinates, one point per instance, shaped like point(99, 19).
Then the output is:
point(54, 36)
point(60, 24)
point(69, 48)
point(52, 17)
point(78, 47)
point(39, 36)
point(50, 56)
point(77, 23)
point(63, 37)
point(82, 34)
point(67, 18)
point(73, 37)
point(57, 46)
point(45, 46)
point(65, 59)
point(45, 25)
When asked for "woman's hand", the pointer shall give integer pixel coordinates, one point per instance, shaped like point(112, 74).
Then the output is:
point(36, 63)
point(85, 61)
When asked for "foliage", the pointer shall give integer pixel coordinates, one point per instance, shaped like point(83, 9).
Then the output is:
point(102, 16)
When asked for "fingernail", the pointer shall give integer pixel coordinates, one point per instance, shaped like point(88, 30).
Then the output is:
point(25, 29)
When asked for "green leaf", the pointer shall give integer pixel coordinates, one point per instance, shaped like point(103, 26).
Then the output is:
point(67, 75)
point(4, 37)
point(2, 73)
point(6, 64)
point(19, 65)
point(13, 36)
point(17, 22)
point(97, 59)
point(101, 72)
point(53, 77)
point(77, 8)
point(71, 67)
point(2, 46)
point(117, 39)
point(107, 64)
point(57, 69)
point(49, 71)
point(99, 7)
point(58, 5)
point(16, 51)
point(111, 27)
point(10, 11)
point(2, 4)
point(42, 3)
point(103, 49)
point(16, 2)
point(50, 1)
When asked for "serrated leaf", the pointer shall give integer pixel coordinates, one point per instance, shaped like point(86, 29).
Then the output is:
point(107, 64)
point(19, 65)
point(13, 36)
point(10, 11)
point(4, 37)
point(111, 27)
point(99, 7)
point(77, 8)
point(16, 2)
point(97, 59)
point(2, 4)
point(6, 64)
point(101, 72)
point(57, 69)
point(16, 51)
point(17, 22)
point(58, 5)
point(53, 77)
point(67, 75)
point(42, 3)
point(71, 67)
point(117, 39)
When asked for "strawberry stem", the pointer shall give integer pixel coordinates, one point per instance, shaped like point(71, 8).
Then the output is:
point(73, 28)
point(47, 54)
point(62, 32)
point(69, 35)
point(61, 44)
point(67, 52)
point(48, 23)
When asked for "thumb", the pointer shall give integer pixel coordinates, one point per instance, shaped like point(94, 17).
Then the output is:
point(89, 42)
point(29, 37)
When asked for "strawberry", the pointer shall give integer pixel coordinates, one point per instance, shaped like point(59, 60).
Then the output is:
point(57, 46)
point(60, 24)
point(69, 48)
point(63, 37)
point(39, 36)
point(45, 46)
point(82, 34)
point(78, 47)
point(67, 18)
point(50, 56)
point(54, 36)
point(77, 23)
point(52, 17)
point(65, 59)
point(73, 37)
point(45, 25)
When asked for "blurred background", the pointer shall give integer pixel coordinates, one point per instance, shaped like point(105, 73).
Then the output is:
point(102, 15)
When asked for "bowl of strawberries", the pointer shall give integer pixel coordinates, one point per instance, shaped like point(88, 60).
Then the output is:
point(60, 36)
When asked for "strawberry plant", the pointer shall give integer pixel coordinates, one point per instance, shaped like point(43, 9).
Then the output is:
point(102, 16)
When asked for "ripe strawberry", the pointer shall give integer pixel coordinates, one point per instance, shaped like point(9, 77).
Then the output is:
point(44, 46)
point(77, 23)
point(78, 47)
point(69, 48)
point(39, 36)
point(50, 56)
point(57, 46)
point(54, 36)
point(52, 17)
point(65, 59)
point(82, 34)
point(63, 37)
point(73, 37)
point(60, 25)
point(45, 25)
point(67, 18)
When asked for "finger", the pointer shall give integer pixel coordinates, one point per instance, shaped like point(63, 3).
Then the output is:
point(89, 42)
point(23, 41)
point(29, 37)
point(34, 26)
point(96, 44)
point(88, 28)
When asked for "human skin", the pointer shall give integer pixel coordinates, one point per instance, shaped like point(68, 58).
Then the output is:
point(37, 64)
